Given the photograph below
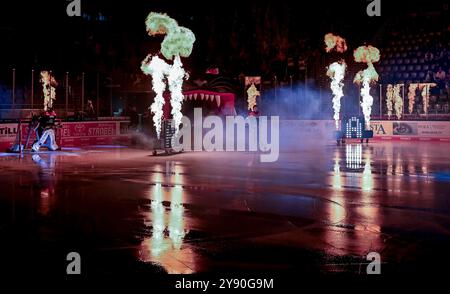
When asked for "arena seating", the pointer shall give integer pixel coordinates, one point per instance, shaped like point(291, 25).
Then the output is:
point(415, 58)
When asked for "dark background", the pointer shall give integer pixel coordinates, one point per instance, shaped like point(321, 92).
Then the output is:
point(239, 35)
point(281, 41)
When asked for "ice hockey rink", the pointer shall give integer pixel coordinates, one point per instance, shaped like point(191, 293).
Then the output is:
point(320, 208)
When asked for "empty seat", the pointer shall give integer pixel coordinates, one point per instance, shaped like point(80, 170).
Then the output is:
point(404, 55)
point(395, 68)
point(402, 68)
point(414, 61)
point(398, 75)
point(405, 75)
point(392, 61)
point(400, 61)
point(407, 61)
point(421, 60)
point(421, 75)
point(425, 67)
point(388, 68)
point(413, 75)
point(418, 67)
point(410, 68)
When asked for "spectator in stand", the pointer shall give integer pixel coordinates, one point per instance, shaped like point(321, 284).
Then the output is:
point(439, 76)
point(441, 54)
point(429, 56)
point(429, 78)
point(90, 112)
point(447, 87)
point(134, 117)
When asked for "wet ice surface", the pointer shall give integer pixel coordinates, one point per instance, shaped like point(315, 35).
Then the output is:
point(321, 208)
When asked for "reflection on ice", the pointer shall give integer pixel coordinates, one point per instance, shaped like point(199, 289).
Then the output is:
point(367, 178)
point(350, 170)
point(176, 224)
point(47, 182)
point(168, 228)
point(353, 156)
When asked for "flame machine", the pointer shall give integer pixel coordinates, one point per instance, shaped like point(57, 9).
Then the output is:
point(353, 127)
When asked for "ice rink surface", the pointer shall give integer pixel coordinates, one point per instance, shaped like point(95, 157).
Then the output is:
point(320, 208)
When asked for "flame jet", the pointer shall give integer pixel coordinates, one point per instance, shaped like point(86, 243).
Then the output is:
point(335, 42)
point(48, 88)
point(178, 42)
point(157, 68)
point(336, 71)
point(368, 55)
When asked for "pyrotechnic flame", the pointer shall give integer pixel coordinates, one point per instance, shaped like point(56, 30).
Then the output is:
point(336, 71)
point(389, 99)
point(175, 78)
point(398, 100)
point(48, 88)
point(335, 42)
point(178, 41)
point(157, 68)
point(159, 24)
point(252, 93)
point(412, 96)
point(366, 54)
point(426, 95)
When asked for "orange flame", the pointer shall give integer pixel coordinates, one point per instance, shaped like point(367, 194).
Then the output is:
point(335, 42)
point(366, 54)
